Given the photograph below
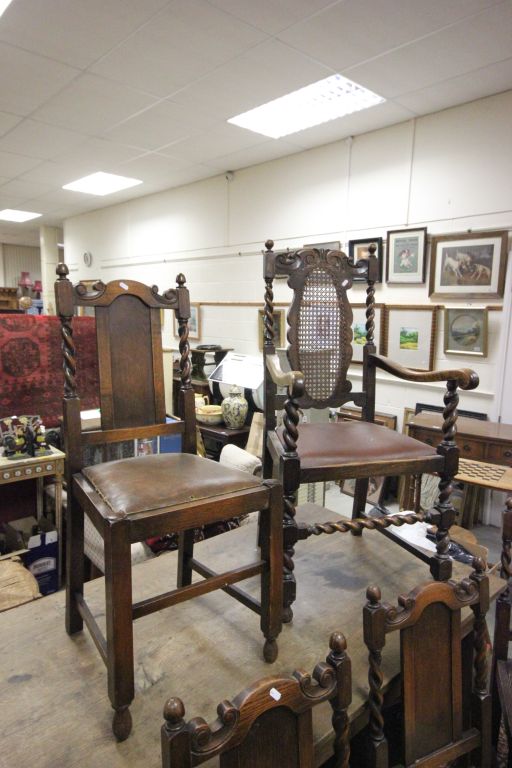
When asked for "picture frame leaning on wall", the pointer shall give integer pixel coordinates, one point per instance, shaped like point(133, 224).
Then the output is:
point(406, 255)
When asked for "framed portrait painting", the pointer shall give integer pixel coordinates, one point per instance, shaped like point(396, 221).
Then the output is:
point(468, 265)
point(411, 333)
point(358, 251)
point(194, 323)
point(406, 255)
point(359, 330)
point(465, 331)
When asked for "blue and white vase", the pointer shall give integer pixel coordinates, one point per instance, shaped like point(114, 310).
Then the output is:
point(234, 409)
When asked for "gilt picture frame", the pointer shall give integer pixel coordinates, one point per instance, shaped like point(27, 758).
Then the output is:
point(465, 331)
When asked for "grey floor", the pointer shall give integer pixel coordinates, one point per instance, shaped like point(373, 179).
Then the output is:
point(487, 535)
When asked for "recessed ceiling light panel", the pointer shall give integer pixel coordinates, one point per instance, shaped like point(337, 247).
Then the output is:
point(333, 97)
point(101, 183)
point(3, 5)
point(10, 214)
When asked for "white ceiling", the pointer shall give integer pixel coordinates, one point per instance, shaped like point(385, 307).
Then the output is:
point(144, 87)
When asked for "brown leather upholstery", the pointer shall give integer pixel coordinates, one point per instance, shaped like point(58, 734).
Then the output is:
point(149, 483)
point(347, 442)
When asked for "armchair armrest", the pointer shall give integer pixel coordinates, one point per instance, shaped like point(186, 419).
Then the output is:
point(464, 377)
point(293, 380)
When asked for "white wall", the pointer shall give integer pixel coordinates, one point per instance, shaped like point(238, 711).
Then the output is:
point(450, 171)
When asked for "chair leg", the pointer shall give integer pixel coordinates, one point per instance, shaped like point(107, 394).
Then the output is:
point(271, 546)
point(74, 564)
point(499, 653)
point(290, 538)
point(118, 608)
point(360, 494)
point(185, 555)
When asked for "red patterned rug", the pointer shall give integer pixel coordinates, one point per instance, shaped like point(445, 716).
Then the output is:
point(31, 372)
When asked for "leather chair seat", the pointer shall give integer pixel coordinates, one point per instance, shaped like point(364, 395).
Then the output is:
point(151, 483)
point(351, 442)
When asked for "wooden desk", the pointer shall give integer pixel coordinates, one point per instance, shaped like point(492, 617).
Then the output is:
point(53, 688)
point(477, 440)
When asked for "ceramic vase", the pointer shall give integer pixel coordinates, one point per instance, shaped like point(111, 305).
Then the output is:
point(234, 409)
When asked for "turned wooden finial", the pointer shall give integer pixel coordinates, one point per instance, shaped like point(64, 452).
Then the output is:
point(337, 642)
point(181, 279)
point(373, 594)
point(174, 711)
point(62, 270)
point(478, 564)
point(269, 244)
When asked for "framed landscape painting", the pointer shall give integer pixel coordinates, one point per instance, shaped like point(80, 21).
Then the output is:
point(465, 331)
point(468, 265)
point(406, 255)
point(411, 333)
point(359, 330)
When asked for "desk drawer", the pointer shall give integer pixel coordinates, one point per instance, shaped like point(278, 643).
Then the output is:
point(470, 449)
point(427, 436)
point(501, 454)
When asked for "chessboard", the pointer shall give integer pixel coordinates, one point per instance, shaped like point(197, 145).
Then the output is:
point(485, 475)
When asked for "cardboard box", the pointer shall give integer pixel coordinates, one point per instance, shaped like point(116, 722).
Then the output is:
point(39, 550)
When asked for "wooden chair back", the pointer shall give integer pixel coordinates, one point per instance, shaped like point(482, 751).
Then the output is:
point(320, 321)
point(435, 728)
point(269, 724)
point(130, 362)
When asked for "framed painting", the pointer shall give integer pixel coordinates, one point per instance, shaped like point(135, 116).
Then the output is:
point(279, 328)
point(465, 331)
point(406, 255)
point(194, 323)
point(410, 337)
point(359, 330)
point(333, 245)
point(358, 251)
point(468, 265)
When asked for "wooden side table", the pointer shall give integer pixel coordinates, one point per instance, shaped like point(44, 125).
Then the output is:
point(39, 467)
point(216, 437)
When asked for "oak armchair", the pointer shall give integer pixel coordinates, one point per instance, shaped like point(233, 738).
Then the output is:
point(319, 354)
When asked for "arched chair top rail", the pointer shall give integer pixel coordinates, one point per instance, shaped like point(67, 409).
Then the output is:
point(454, 595)
point(100, 294)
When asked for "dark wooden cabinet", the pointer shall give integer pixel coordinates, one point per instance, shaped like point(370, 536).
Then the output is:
point(477, 440)
point(216, 437)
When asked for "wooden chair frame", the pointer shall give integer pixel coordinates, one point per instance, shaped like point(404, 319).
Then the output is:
point(436, 729)
point(282, 452)
point(268, 712)
point(139, 412)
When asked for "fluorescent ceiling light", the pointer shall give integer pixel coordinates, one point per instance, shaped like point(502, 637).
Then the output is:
point(9, 214)
point(3, 5)
point(333, 97)
point(102, 183)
